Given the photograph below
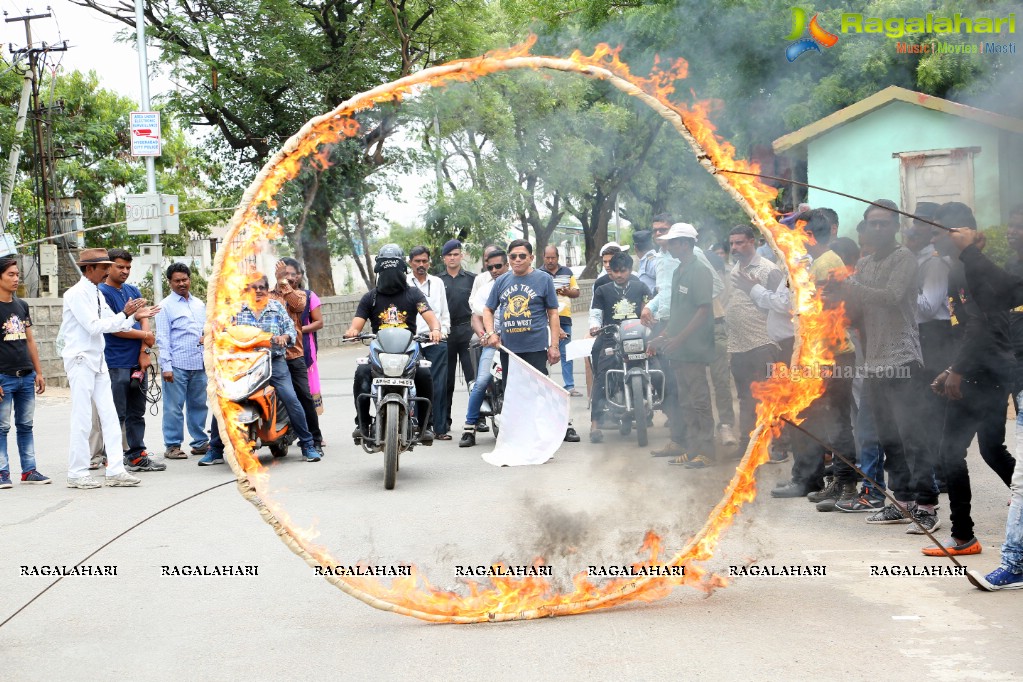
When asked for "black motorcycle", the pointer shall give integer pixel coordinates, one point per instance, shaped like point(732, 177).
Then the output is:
point(633, 389)
point(493, 397)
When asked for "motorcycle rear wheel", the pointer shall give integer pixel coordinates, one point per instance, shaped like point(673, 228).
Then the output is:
point(390, 445)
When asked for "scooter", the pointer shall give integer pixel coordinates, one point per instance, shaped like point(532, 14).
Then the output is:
point(636, 390)
point(243, 377)
point(394, 357)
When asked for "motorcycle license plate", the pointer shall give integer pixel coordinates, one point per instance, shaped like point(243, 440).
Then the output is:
point(636, 356)
point(388, 381)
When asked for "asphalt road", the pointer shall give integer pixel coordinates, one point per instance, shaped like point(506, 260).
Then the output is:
point(591, 505)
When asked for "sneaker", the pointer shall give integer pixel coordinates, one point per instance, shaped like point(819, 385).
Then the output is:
point(793, 489)
point(83, 482)
point(954, 547)
point(211, 458)
point(726, 436)
point(864, 502)
point(201, 450)
point(5, 480)
point(927, 519)
point(174, 452)
point(890, 513)
point(482, 427)
point(468, 439)
point(122, 480)
point(311, 454)
point(828, 492)
point(571, 436)
point(846, 492)
point(32, 477)
point(143, 463)
point(1003, 579)
point(596, 436)
point(672, 449)
point(699, 462)
point(319, 449)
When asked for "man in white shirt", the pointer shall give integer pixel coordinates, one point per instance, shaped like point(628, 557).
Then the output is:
point(437, 353)
point(86, 318)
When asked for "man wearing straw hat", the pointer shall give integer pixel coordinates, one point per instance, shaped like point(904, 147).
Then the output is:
point(86, 318)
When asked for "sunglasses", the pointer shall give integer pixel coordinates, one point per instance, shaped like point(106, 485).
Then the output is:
point(259, 287)
point(492, 268)
point(518, 256)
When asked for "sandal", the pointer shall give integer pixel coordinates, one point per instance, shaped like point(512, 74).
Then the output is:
point(681, 460)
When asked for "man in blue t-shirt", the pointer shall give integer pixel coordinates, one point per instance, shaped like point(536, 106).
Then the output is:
point(127, 353)
point(529, 315)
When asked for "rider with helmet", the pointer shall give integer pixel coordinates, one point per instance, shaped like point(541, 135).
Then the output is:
point(391, 304)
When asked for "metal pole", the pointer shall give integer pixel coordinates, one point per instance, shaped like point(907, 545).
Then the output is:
point(140, 41)
point(12, 164)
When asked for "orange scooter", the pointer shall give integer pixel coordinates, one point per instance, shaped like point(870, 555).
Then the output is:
point(243, 377)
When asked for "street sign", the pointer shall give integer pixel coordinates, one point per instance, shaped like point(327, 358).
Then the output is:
point(145, 133)
point(152, 213)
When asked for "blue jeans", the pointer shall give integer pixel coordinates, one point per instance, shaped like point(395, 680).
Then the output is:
point(186, 392)
point(19, 394)
point(280, 379)
point(871, 459)
point(437, 354)
point(130, 404)
point(1012, 550)
point(479, 388)
point(566, 365)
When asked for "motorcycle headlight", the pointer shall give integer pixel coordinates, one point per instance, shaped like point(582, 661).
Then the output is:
point(393, 364)
point(632, 345)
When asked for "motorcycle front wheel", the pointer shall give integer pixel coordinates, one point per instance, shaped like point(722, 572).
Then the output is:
point(390, 445)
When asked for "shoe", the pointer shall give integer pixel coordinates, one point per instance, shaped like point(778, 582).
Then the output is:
point(98, 463)
point(426, 437)
point(31, 477)
point(927, 519)
point(890, 513)
point(482, 427)
point(845, 492)
point(468, 439)
point(1003, 579)
point(83, 482)
point(681, 460)
point(310, 453)
point(954, 547)
point(699, 462)
point(828, 492)
point(793, 489)
point(143, 463)
point(596, 436)
point(574, 393)
point(122, 480)
point(865, 502)
point(827, 505)
point(672, 449)
point(174, 452)
point(726, 436)
point(319, 449)
point(211, 458)
point(201, 450)
point(5, 480)
point(571, 436)
point(442, 436)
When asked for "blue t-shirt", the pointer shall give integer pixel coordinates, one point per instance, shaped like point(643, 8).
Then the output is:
point(121, 353)
point(524, 302)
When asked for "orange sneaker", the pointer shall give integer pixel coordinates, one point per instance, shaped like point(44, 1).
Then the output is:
point(954, 547)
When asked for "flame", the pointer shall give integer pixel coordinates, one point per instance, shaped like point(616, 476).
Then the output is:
point(504, 598)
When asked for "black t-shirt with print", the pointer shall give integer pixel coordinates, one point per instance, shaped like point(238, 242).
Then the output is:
point(396, 310)
point(14, 341)
point(618, 304)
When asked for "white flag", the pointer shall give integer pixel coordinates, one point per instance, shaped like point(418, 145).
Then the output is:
point(533, 420)
point(578, 348)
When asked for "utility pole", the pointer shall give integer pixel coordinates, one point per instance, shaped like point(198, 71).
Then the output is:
point(140, 42)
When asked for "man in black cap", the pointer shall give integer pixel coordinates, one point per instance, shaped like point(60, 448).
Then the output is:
point(458, 286)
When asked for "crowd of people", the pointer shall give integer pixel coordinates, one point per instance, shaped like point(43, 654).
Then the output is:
point(934, 337)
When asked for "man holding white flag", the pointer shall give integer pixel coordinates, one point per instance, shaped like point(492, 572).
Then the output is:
point(534, 404)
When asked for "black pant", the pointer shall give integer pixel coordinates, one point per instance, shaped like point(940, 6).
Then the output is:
point(300, 380)
point(458, 350)
point(937, 345)
point(535, 359)
point(981, 411)
point(364, 383)
point(829, 418)
point(747, 368)
point(216, 444)
point(601, 363)
point(902, 420)
point(130, 404)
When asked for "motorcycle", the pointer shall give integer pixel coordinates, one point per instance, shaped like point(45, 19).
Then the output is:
point(493, 397)
point(243, 377)
point(636, 390)
point(394, 357)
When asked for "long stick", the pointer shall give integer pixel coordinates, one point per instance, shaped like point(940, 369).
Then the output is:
point(841, 194)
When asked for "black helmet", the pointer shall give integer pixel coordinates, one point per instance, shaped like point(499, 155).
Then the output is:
point(390, 256)
point(391, 251)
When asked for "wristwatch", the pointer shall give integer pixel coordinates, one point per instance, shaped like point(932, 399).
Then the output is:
point(147, 351)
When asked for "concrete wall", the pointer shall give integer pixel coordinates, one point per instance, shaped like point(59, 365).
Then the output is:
point(857, 158)
point(338, 312)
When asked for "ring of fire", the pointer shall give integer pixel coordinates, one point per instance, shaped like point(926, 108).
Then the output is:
point(818, 333)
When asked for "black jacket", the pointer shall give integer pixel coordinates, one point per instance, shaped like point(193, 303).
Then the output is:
point(981, 294)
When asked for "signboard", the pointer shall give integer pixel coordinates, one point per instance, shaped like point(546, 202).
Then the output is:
point(152, 213)
point(145, 133)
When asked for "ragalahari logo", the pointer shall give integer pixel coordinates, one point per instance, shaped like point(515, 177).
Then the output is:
point(819, 37)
